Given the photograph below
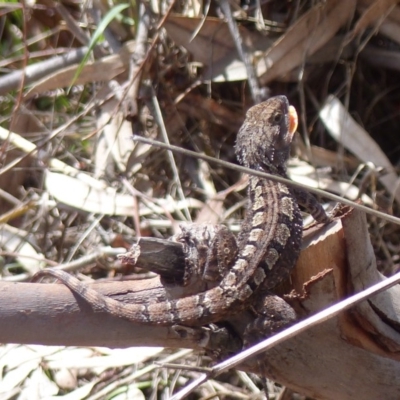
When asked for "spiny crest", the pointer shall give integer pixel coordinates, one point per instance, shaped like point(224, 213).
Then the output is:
point(264, 139)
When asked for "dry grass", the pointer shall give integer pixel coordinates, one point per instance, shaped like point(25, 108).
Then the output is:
point(72, 179)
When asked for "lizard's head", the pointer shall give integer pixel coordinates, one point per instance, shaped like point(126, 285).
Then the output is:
point(264, 139)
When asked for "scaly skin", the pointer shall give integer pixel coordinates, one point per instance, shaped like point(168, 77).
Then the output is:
point(269, 239)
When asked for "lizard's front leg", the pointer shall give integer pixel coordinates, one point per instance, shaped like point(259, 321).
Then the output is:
point(312, 206)
point(272, 315)
point(210, 251)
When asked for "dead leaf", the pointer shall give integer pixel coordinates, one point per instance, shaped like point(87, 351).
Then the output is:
point(346, 131)
point(304, 38)
point(213, 45)
point(79, 194)
point(374, 12)
point(103, 69)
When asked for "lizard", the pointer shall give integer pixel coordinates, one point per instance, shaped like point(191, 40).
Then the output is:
point(268, 242)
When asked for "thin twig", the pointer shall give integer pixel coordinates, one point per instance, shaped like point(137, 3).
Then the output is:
point(18, 101)
point(72, 24)
point(31, 149)
point(243, 53)
point(75, 248)
point(174, 168)
point(290, 332)
point(274, 178)
point(137, 61)
point(183, 367)
point(106, 251)
point(108, 389)
point(137, 71)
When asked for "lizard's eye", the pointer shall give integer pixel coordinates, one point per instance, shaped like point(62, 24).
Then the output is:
point(277, 118)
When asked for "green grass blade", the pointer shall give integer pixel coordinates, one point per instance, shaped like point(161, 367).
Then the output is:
point(113, 13)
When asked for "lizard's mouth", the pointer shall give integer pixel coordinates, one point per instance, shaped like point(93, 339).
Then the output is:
point(293, 120)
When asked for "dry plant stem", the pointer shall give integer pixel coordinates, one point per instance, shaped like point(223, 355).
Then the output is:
point(25, 63)
point(89, 259)
point(95, 222)
point(16, 254)
point(137, 61)
point(303, 119)
point(290, 332)
point(129, 379)
point(183, 367)
point(21, 209)
point(170, 155)
point(71, 266)
point(31, 150)
point(101, 252)
point(72, 24)
point(40, 70)
point(10, 198)
point(142, 34)
point(244, 55)
point(150, 202)
point(275, 178)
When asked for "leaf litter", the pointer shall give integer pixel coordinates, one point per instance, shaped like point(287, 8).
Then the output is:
point(336, 61)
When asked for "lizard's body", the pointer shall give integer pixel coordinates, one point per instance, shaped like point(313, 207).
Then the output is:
point(269, 240)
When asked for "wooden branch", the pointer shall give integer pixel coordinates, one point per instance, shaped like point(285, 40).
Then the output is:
point(50, 314)
point(351, 356)
point(164, 257)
